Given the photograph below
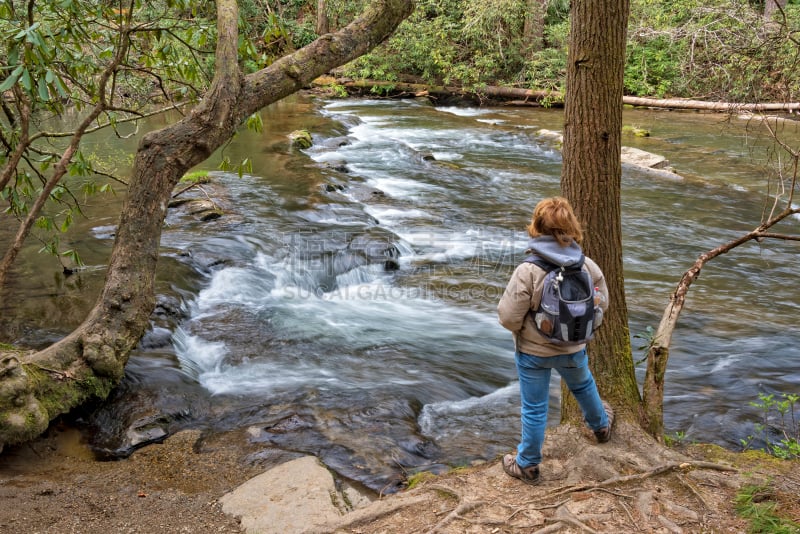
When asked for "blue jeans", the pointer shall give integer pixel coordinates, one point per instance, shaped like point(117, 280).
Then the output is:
point(534, 386)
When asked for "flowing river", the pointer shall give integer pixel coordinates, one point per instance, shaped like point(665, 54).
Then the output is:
point(345, 304)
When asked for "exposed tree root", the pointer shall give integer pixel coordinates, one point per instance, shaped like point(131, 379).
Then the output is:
point(585, 488)
point(640, 476)
point(375, 512)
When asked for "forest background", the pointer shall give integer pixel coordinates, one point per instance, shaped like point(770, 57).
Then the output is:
point(740, 51)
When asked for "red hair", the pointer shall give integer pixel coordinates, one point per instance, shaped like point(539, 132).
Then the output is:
point(554, 217)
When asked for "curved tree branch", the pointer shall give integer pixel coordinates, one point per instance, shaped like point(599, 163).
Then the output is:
point(90, 361)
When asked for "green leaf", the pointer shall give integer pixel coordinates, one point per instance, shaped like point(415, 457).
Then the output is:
point(26, 80)
point(60, 87)
point(9, 82)
point(73, 255)
point(67, 223)
point(45, 223)
point(44, 93)
point(254, 123)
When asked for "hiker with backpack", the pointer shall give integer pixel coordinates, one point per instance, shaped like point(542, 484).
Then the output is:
point(553, 303)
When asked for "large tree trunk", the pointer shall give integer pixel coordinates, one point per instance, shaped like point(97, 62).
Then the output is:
point(87, 363)
point(591, 179)
point(771, 7)
point(322, 18)
point(533, 28)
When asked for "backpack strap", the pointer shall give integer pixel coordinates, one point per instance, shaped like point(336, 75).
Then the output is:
point(550, 266)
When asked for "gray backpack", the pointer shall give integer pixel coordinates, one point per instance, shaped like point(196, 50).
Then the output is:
point(567, 313)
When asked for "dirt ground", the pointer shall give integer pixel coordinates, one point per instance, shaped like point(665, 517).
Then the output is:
point(53, 485)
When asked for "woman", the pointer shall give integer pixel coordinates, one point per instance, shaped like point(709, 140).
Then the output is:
point(555, 236)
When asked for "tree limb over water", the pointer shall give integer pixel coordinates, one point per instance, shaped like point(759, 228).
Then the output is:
point(658, 351)
point(89, 362)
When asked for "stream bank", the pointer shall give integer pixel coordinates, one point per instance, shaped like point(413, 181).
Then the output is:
point(54, 486)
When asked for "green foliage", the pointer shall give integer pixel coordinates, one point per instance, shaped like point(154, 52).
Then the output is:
point(436, 44)
point(493, 30)
point(779, 428)
point(719, 49)
point(55, 54)
point(675, 438)
point(651, 67)
point(338, 91)
point(245, 165)
point(547, 68)
point(648, 338)
point(341, 12)
point(754, 503)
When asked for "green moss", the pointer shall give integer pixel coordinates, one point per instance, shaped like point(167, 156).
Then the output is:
point(635, 131)
point(418, 478)
point(196, 177)
point(301, 138)
point(58, 396)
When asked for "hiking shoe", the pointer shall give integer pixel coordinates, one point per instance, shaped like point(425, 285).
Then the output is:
point(604, 434)
point(529, 475)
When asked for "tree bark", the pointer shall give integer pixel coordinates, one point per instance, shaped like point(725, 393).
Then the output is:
point(591, 179)
point(322, 18)
point(533, 28)
point(771, 7)
point(87, 363)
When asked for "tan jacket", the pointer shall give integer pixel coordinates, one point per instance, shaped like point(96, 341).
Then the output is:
point(522, 295)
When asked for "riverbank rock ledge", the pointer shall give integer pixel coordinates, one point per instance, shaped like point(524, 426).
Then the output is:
point(297, 496)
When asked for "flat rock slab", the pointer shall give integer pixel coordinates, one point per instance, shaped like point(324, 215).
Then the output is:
point(291, 498)
point(634, 156)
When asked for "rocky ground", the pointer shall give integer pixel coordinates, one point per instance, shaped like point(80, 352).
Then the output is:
point(53, 485)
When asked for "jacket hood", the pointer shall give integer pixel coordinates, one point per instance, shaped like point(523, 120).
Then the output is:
point(548, 248)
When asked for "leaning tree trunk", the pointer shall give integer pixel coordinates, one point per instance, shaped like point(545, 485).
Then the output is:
point(591, 179)
point(35, 388)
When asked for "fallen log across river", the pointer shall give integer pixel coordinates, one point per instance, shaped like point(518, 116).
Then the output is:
point(529, 97)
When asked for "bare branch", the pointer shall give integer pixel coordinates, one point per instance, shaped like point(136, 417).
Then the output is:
point(767, 235)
